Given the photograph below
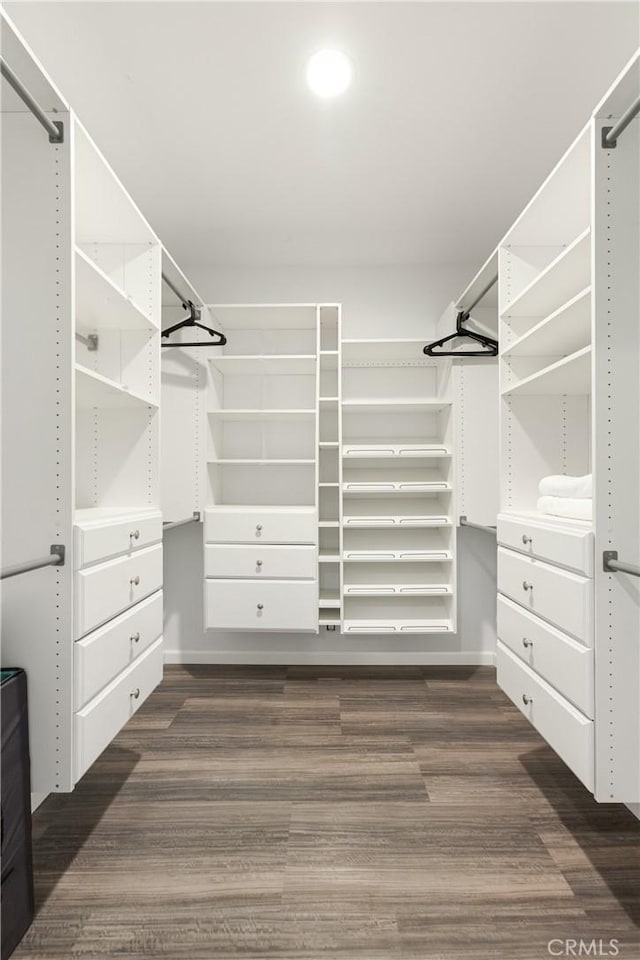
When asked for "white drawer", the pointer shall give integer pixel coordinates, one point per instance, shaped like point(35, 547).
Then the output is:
point(260, 525)
point(563, 598)
point(95, 541)
point(99, 721)
point(567, 547)
point(260, 562)
point(106, 652)
point(565, 663)
point(266, 605)
point(104, 590)
point(564, 728)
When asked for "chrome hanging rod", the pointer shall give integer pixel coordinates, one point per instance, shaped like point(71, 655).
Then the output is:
point(477, 526)
point(610, 134)
point(611, 564)
point(184, 300)
point(54, 128)
point(170, 524)
point(90, 341)
point(54, 559)
point(481, 296)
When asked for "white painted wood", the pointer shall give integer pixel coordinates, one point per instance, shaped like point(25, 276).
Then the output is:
point(260, 525)
point(97, 723)
point(276, 365)
point(566, 543)
point(263, 562)
point(265, 605)
point(566, 377)
point(566, 729)
point(100, 539)
point(105, 653)
point(564, 599)
point(386, 450)
point(106, 589)
point(100, 304)
point(562, 661)
point(563, 332)
point(562, 279)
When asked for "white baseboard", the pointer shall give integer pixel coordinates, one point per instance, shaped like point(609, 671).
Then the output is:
point(37, 799)
point(460, 658)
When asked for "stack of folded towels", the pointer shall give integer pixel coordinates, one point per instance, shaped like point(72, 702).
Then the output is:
point(566, 497)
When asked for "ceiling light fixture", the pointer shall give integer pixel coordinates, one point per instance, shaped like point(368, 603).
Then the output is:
point(329, 73)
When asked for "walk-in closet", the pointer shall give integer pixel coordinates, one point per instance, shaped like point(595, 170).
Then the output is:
point(320, 510)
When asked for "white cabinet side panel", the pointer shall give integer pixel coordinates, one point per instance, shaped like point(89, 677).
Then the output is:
point(183, 448)
point(476, 408)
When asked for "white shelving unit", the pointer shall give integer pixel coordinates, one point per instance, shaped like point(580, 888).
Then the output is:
point(329, 467)
point(398, 533)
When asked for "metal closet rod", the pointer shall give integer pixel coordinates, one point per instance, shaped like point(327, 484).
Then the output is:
point(610, 134)
point(54, 128)
point(611, 564)
point(477, 526)
point(170, 524)
point(55, 558)
point(481, 295)
point(172, 286)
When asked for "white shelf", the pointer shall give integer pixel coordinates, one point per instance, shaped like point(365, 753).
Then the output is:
point(329, 399)
point(564, 331)
point(326, 483)
point(395, 450)
point(380, 625)
point(271, 316)
point(329, 558)
point(101, 304)
point(328, 523)
point(385, 352)
point(548, 519)
point(393, 520)
point(257, 414)
point(94, 390)
point(397, 556)
point(397, 590)
point(227, 461)
point(280, 365)
point(562, 279)
point(327, 618)
point(570, 376)
point(85, 516)
point(328, 443)
point(328, 599)
point(391, 405)
point(394, 487)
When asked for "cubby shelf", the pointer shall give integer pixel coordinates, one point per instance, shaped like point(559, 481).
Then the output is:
point(257, 414)
point(399, 522)
point(278, 365)
point(394, 488)
point(391, 405)
point(562, 279)
point(95, 390)
point(329, 558)
point(397, 590)
point(328, 599)
point(394, 450)
point(101, 304)
point(226, 461)
point(397, 556)
point(329, 523)
point(570, 376)
point(397, 626)
point(564, 331)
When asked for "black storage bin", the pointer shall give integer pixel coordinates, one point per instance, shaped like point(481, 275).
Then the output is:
point(16, 895)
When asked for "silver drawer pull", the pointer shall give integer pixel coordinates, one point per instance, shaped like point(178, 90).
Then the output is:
point(135, 693)
point(258, 563)
point(135, 637)
point(134, 535)
point(261, 606)
point(258, 527)
point(526, 539)
point(135, 581)
point(527, 643)
point(526, 700)
point(526, 585)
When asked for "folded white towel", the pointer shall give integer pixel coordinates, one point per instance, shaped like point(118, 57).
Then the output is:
point(573, 509)
point(576, 488)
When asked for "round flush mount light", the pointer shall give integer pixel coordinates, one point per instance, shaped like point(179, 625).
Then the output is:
point(329, 73)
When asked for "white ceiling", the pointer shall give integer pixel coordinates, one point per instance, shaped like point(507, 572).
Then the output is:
point(457, 112)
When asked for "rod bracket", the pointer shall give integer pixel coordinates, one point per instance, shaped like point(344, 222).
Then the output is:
point(607, 556)
point(606, 145)
point(196, 516)
point(58, 550)
point(59, 137)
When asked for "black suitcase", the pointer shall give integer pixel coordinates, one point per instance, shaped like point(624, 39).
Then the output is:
point(16, 893)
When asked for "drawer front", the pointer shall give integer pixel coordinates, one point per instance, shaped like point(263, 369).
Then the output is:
point(267, 605)
point(260, 526)
point(103, 654)
point(565, 663)
point(260, 562)
point(99, 721)
point(109, 588)
point(568, 548)
point(563, 598)
point(564, 728)
point(96, 542)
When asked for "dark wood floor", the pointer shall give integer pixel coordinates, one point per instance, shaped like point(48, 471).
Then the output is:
point(333, 813)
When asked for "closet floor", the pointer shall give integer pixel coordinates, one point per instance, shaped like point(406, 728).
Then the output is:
point(337, 812)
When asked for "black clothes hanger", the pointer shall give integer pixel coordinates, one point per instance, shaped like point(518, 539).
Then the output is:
point(193, 320)
point(490, 345)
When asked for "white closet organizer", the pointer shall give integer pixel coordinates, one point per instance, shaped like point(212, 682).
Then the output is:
point(398, 551)
point(89, 633)
point(263, 436)
point(561, 360)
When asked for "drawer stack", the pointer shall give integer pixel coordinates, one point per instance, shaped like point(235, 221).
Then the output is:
point(545, 632)
point(261, 568)
point(118, 624)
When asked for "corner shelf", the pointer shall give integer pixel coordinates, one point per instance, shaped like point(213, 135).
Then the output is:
point(95, 390)
point(565, 330)
point(570, 376)
point(101, 304)
point(567, 274)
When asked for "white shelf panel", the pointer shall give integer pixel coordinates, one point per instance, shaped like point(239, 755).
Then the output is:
point(261, 462)
point(328, 443)
point(94, 390)
point(397, 556)
point(399, 522)
point(566, 523)
point(329, 523)
point(387, 352)
point(562, 332)
point(565, 276)
point(328, 618)
point(281, 365)
point(379, 625)
point(329, 558)
point(101, 304)
point(83, 516)
point(329, 399)
point(570, 376)
point(397, 590)
point(256, 414)
point(265, 316)
point(329, 599)
point(395, 487)
point(394, 450)
point(391, 405)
